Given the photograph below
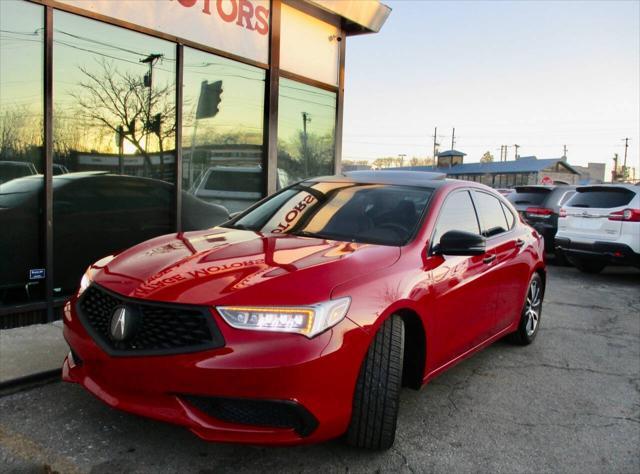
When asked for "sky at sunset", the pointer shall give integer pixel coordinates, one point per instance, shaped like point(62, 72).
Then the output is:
point(540, 74)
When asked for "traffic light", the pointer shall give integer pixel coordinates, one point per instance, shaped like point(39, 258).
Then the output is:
point(210, 98)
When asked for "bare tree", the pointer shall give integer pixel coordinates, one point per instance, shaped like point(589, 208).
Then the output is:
point(120, 101)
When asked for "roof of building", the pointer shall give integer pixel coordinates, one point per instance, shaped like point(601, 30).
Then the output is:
point(359, 16)
point(517, 166)
point(451, 153)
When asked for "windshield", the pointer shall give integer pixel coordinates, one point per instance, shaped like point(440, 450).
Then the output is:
point(603, 198)
point(351, 212)
point(529, 196)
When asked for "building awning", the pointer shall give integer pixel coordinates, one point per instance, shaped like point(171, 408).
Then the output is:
point(359, 16)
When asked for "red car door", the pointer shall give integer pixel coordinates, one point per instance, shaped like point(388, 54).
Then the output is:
point(508, 274)
point(462, 303)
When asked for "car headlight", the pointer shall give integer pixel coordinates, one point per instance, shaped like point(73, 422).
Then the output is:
point(87, 278)
point(306, 320)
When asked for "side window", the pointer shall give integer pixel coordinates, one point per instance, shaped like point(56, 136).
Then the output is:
point(457, 213)
point(492, 218)
point(511, 220)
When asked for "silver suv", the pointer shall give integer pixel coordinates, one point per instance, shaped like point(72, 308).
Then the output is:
point(600, 225)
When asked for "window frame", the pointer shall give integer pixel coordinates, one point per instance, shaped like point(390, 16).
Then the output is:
point(502, 206)
point(469, 191)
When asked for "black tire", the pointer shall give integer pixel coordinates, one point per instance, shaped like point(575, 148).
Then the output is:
point(377, 394)
point(560, 259)
point(525, 334)
point(588, 265)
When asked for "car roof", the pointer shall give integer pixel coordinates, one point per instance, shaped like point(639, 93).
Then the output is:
point(421, 179)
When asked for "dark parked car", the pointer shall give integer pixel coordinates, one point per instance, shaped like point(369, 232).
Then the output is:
point(95, 214)
point(15, 169)
point(539, 206)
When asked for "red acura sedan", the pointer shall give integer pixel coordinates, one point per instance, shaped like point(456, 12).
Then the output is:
point(300, 319)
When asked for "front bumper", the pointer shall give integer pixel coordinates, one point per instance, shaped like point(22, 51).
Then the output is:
point(619, 254)
point(312, 380)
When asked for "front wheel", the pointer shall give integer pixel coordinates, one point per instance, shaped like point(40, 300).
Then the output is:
point(531, 312)
point(377, 395)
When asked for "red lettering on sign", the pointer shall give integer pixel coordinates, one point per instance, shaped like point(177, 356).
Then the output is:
point(240, 12)
point(262, 20)
point(228, 17)
point(245, 14)
point(187, 3)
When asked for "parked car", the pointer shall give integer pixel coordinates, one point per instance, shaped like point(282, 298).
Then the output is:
point(15, 169)
point(95, 213)
point(300, 319)
point(59, 169)
point(234, 187)
point(600, 225)
point(539, 206)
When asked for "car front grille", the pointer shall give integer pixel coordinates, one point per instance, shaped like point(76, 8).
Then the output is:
point(157, 328)
point(272, 413)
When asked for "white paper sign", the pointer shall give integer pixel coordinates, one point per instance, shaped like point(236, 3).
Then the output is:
point(239, 27)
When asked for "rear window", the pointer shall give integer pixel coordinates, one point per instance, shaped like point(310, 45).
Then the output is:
point(534, 196)
point(238, 181)
point(601, 198)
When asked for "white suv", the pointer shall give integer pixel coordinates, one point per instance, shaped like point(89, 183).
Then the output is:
point(600, 225)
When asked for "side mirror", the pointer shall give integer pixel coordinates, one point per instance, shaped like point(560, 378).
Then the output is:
point(457, 242)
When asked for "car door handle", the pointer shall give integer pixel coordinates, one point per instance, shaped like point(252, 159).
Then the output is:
point(489, 259)
point(519, 243)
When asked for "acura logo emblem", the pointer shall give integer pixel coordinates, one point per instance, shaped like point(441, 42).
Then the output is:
point(121, 323)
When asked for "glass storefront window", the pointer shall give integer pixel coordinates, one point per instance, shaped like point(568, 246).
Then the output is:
point(222, 134)
point(21, 152)
point(114, 142)
point(308, 46)
point(306, 131)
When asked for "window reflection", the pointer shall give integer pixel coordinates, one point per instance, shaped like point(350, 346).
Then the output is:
point(306, 130)
point(114, 142)
point(223, 130)
point(21, 152)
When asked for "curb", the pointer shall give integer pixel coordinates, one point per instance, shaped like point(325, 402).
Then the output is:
point(30, 381)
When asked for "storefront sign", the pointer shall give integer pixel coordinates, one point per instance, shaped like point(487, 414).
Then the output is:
point(239, 27)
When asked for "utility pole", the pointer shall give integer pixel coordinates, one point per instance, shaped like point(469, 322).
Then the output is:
point(306, 118)
point(624, 163)
point(516, 146)
point(501, 152)
point(564, 151)
point(505, 152)
point(151, 60)
point(453, 138)
point(435, 145)
point(401, 157)
point(614, 178)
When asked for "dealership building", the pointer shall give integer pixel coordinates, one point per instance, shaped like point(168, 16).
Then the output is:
point(124, 120)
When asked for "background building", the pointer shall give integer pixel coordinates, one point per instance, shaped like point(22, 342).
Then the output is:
point(506, 174)
point(121, 121)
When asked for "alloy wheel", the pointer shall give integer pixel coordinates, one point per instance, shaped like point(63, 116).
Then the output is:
point(532, 307)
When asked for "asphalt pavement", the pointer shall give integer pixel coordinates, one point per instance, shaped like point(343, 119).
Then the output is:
point(568, 403)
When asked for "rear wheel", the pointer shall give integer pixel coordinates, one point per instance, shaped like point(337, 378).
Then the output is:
point(588, 265)
point(376, 398)
point(531, 312)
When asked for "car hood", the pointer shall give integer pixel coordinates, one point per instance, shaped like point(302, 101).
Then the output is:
point(230, 266)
